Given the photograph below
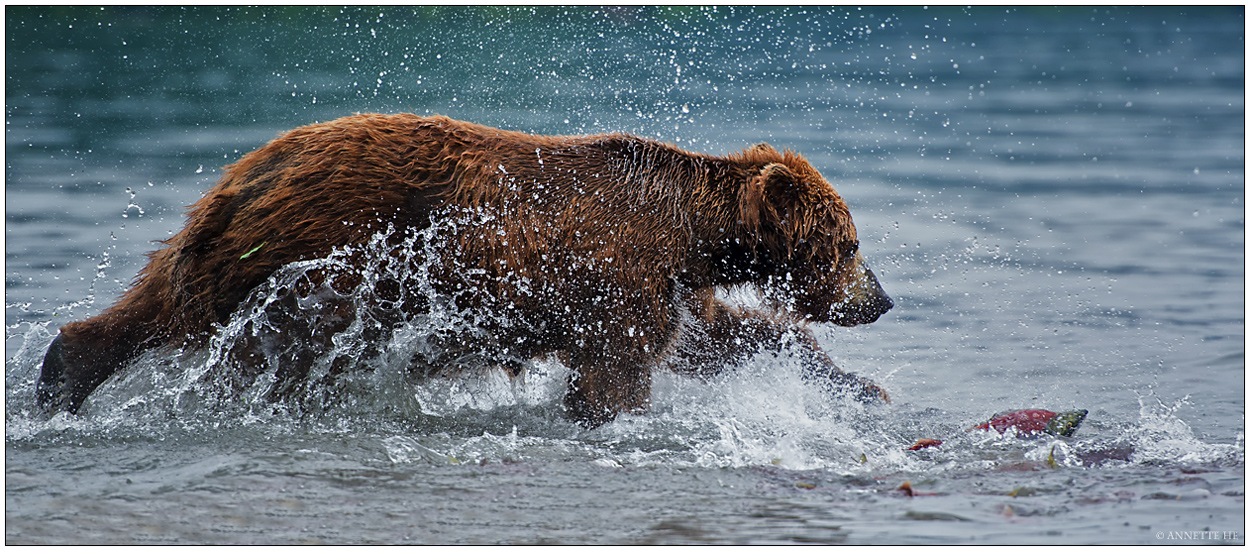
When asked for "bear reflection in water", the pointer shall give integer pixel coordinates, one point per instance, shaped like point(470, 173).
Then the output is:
point(605, 250)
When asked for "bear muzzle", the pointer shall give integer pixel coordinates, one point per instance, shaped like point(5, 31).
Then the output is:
point(864, 302)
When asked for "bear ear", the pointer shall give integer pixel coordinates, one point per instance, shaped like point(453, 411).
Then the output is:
point(763, 147)
point(765, 193)
point(779, 179)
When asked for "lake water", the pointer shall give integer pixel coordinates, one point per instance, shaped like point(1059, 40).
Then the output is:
point(1054, 198)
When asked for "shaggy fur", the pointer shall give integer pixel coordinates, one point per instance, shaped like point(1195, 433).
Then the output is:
point(600, 244)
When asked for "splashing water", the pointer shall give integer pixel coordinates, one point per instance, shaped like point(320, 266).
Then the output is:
point(762, 415)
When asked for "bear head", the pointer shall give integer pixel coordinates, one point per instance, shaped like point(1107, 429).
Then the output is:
point(808, 244)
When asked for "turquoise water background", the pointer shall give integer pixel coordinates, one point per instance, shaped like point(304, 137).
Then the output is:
point(1054, 198)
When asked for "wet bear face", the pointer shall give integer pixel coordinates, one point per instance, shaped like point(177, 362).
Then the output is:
point(808, 234)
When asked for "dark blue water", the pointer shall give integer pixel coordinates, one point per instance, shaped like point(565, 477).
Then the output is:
point(1054, 198)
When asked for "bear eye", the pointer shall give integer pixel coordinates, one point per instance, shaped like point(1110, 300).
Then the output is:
point(848, 251)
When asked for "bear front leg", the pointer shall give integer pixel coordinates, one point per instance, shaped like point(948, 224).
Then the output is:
point(721, 337)
point(820, 370)
point(601, 388)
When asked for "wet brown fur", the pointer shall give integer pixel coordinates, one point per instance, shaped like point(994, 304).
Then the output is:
point(611, 235)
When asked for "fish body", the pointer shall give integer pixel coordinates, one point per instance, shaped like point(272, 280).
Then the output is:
point(1028, 421)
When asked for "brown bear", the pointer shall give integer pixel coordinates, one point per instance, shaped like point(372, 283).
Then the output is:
point(606, 249)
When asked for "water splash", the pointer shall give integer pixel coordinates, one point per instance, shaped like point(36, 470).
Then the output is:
point(1162, 436)
point(364, 337)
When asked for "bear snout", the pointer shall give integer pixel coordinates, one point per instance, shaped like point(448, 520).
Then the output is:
point(865, 300)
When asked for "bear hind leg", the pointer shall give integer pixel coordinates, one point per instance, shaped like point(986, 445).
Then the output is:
point(80, 359)
point(64, 388)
